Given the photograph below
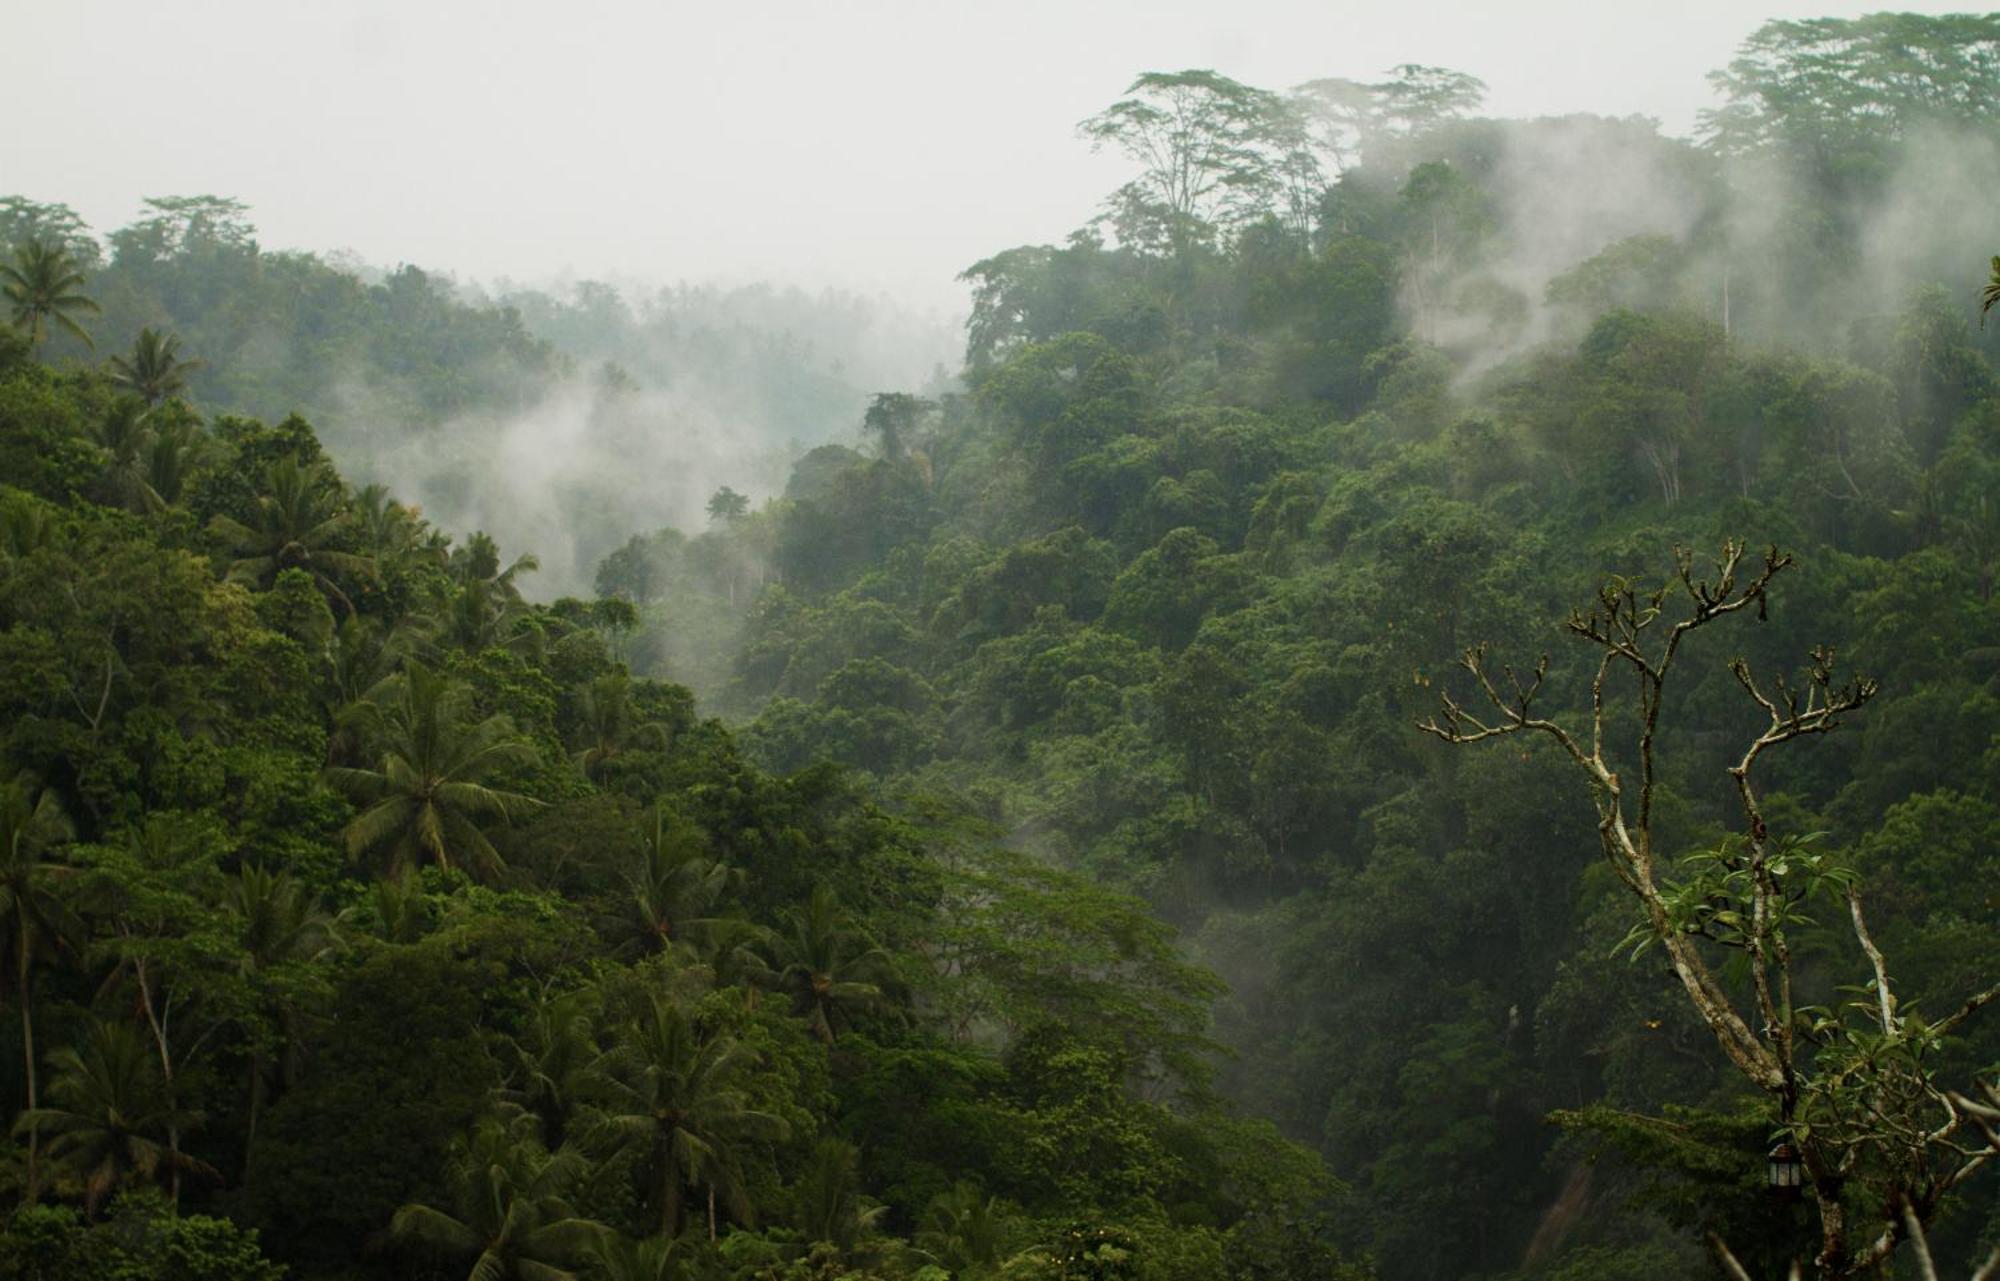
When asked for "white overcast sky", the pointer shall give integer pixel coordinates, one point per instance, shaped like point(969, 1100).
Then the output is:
point(869, 144)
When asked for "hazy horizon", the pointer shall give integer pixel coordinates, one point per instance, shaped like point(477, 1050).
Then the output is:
point(877, 148)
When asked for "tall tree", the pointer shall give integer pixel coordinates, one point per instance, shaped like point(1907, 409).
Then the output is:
point(1834, 87)
point(1347, 119)
point(675, 1096)
point(33, 917)
point(155, 370)
point(1855, 1088)
point(109, 1113)
point(829, 965)
point(177, 225)
point(43, 283)
point(675, 886)
point(513, 1219)
point(892, 418)
point(154, 899)
point(299, 522)
point(24, 221)
point(1207, 150)
point(426, 798)
point(727, 506)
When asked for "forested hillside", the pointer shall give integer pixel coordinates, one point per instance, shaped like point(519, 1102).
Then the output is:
point(350, 899)
point(1014, 850)
point(1241, 469)
point(558, 419)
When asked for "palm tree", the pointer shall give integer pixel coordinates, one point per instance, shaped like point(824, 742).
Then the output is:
point(619, 1258)
point(110, 1109)
point(300, 522)
point(27, 524)
point(674, 886)
point(389, 530)
point(487, 608)
point(33, 918)
point(361, 655)
point(396, 911)
point(1989, 297)
point(281, 919)
point(676, 1097)
point(155, 370)
point(827, 1204)
point(282, 925)
point(361, 658)
point(174, 452)
point(513, 1218)
point(610, 724)
point(42, 283)
point(478, 561)
point(127, 438)
point(427, 797)
point(964, 1229)
point(480, 616)
point(551, 1060)
point(830, 967)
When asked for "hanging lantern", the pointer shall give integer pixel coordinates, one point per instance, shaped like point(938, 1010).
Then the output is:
point(1784, 1171)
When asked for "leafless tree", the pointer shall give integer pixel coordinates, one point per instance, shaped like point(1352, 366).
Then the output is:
point(1854, 1087)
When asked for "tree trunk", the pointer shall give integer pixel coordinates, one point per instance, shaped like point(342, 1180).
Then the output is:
point(670, 1200)
point(167, 1075)
point(711, 1212)
point(28, 1059)
point(256, 1101)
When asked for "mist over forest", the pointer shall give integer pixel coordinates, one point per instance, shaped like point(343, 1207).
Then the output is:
point(1415, 699)
point(558, 420)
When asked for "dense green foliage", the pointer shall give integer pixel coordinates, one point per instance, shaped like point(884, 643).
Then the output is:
point(455, 395)
point(1165, 589)
point(349, 897)
point(363, 919)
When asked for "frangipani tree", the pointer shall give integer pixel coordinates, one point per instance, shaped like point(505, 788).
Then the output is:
point(1853, 1088)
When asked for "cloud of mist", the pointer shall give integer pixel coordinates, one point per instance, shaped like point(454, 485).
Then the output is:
point(571, 477)
point(692, 389)
point(1936, 218)
point(1564, 189)
point(1746, 241)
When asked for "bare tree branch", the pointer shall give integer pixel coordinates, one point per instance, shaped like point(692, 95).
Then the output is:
point(1919, 1244)
point(1885, 1000)
point(1871, 1112)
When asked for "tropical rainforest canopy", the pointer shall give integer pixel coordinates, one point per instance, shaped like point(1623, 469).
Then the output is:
point(1003, 844)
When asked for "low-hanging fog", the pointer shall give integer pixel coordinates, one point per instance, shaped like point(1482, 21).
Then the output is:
point(797, 167)
point(658, 407)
